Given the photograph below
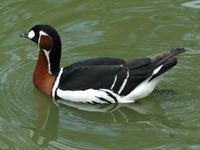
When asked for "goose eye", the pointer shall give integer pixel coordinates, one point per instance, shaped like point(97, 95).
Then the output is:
point(45, 41)
point(31, 34)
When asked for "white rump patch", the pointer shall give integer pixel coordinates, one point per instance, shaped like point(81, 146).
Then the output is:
point(143, 89)
point(31, 34)
point(146, 87)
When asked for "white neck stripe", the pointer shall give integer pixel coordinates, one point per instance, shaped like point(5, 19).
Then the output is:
point(55, 86)
point(48, 60)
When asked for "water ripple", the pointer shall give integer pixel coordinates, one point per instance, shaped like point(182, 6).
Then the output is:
point(192, 4)
point(29, 120)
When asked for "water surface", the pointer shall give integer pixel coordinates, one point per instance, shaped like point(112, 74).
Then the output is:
point(167, 119)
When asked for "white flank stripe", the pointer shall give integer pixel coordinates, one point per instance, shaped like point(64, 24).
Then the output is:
point(114, 94)
point(124, 82)
point(157, 70)
point(112, 86)
point(56, 83)
point(89, 95)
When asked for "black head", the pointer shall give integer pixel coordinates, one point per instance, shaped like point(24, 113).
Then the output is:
point(48, 39)
point(38, 32)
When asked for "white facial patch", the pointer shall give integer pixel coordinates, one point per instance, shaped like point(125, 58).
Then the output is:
point(31, 34)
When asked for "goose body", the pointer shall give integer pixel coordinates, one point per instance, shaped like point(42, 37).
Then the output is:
point(97, 80)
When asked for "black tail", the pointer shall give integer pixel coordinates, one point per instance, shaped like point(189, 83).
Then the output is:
point(163, 58)
point(167, 60)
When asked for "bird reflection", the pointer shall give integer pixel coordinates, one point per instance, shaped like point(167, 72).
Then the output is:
point(47, 121)
point(142, 107)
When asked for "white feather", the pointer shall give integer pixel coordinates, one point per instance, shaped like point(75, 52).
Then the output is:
point(112, 86)
point(157, 70)
point(124, 82)
point(143, 89)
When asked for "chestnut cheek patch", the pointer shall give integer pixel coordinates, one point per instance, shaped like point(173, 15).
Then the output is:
point(45, 42)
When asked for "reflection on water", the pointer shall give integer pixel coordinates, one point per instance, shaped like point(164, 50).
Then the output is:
point(140, 107)
point(46, 124)
point(46, 131)
point(56, 127)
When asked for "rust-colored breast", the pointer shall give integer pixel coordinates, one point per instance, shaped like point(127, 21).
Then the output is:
point(41, 78)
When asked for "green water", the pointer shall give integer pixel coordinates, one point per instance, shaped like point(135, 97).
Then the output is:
point(167, 119)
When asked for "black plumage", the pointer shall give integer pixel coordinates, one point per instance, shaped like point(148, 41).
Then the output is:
point(100, 73)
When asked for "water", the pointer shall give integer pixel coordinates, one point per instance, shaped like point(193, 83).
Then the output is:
point(167, 119)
